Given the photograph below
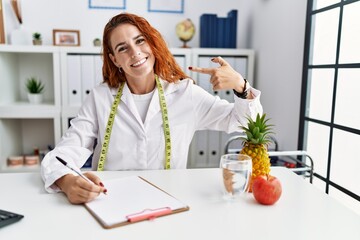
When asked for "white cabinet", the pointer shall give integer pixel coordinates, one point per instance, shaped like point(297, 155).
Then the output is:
point(69, 73)
point(81, 70)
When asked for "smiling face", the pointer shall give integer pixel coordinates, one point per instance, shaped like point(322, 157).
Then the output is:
point(132, 53)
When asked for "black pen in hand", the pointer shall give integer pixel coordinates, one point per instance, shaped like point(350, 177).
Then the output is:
point(76, 171)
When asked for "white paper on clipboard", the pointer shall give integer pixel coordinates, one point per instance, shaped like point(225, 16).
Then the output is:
point(127, 196)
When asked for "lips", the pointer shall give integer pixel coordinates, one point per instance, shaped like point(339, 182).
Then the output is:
point(138, 63)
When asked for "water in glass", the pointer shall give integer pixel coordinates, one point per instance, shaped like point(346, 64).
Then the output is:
point(236, 171)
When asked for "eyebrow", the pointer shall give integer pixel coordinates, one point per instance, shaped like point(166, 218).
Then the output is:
point(122, 43)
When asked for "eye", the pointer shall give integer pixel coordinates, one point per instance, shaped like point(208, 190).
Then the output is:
point(140, 41)
point(122, 48)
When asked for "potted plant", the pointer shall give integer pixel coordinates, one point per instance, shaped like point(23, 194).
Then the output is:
point(97, 42)
point(35, 89)
point(37, 38)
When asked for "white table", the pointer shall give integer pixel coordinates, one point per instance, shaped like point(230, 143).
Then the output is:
point(303, 212)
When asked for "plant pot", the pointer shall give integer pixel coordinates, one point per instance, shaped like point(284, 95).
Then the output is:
point(35, 98)
point(37, 42)
point(97, 42)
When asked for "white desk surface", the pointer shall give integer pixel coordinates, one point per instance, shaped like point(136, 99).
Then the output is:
point(303, 211)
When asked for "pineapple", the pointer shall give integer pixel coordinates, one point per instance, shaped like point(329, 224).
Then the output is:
point(255, 145)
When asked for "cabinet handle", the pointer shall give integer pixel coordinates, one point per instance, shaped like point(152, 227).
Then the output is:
point(213, 153)
point(201, 152)
point(74, 92)
point(87, 91)
point(227, 92)
point(216, 92)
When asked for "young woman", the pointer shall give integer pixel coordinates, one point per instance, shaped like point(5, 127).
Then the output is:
point(145, 113)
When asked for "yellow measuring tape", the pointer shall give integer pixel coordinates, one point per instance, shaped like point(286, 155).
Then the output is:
point(110, 123)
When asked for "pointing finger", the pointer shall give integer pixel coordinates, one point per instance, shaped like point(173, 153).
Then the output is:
point(220, 60)
point(202, 70)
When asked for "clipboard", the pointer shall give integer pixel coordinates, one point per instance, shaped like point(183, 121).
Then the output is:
point(130, 200)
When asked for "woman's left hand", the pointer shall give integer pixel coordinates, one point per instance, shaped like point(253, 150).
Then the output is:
point(222, 77)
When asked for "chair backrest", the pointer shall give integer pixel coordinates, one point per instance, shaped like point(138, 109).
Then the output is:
point(234, 145)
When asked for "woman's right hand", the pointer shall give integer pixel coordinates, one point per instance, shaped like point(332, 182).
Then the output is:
point(79, 190)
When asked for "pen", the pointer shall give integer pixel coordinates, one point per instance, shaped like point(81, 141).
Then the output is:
point(76, 171)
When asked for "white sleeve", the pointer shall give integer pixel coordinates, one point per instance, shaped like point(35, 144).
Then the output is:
point(75, 146)
point(52, 169)
point(248, 107)
point(213, 113)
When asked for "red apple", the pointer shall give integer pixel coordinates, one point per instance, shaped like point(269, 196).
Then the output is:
point(266, 189)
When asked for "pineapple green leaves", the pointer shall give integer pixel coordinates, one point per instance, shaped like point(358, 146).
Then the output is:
point(34, 86)
point(258, 131)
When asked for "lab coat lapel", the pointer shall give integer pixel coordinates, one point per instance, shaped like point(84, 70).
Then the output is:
point(154, 107)
point(128, 100)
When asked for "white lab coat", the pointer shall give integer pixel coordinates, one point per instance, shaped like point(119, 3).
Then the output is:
point(135, 144)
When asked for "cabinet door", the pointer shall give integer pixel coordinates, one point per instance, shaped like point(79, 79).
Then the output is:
point(181, 61)
point(87, 75)
point(74, 80)
point(98, 69)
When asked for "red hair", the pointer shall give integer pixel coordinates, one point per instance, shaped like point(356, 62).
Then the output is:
point(165, 65)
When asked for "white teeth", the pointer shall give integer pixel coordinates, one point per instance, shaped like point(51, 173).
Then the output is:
point(139, 62)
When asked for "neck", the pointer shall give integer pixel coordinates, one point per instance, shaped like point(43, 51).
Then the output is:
point(141, 86)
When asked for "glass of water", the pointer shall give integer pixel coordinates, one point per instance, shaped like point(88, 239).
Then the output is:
point(236, 173)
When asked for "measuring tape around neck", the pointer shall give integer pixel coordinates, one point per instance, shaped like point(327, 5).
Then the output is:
point(112, 115)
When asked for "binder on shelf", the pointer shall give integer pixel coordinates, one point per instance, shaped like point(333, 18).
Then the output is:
point(232, 18)
point(130, 200)
point(204, 26)
point(213, 25)
point(221, 33)
point(208, 25)
point(228, 34)
point(218, 32)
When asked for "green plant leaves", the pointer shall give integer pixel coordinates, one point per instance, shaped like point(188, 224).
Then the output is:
point(34, 86)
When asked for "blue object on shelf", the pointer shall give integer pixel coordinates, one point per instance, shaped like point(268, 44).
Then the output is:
point(218, 32)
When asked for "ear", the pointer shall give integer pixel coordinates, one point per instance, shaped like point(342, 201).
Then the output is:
point(113, 59)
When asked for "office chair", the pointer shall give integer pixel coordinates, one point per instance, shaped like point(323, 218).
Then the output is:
point(294, 160)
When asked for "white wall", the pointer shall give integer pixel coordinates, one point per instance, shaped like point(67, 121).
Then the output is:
point(278, 33)
point(274, 28)
point(45, 15)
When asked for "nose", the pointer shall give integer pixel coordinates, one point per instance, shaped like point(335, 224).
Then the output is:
point(135, 55)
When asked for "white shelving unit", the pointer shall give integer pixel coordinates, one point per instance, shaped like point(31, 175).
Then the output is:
point(24, 126)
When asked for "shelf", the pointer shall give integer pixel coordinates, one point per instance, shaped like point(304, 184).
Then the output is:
point(28, 49)
point(223, 52)
point(81, 50)
point(6, 169)
point(48, 49)
point(27, 110)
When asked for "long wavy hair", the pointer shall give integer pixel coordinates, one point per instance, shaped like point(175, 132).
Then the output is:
point(165, 65)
